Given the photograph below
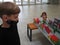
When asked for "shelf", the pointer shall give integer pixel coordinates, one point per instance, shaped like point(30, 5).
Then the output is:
point(43, 31)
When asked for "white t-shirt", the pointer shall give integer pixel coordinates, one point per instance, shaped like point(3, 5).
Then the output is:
point(41, 20)
point(0, 21)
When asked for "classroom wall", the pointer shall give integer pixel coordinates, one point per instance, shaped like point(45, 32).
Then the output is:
point(59, 1)
point(54, 1)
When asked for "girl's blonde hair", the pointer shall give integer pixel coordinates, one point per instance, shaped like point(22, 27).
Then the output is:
point(43, 13)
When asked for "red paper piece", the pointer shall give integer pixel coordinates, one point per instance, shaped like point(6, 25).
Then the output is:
point(47, 29)
point(37, 20)
point(54, 37)
point(58, 25)
point(43, 25)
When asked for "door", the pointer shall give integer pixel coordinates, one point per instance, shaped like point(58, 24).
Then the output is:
point(44, 1)
point(8, 0)
point(38, 1)
point(24, 2)
point(32, 1)
point(18, 2)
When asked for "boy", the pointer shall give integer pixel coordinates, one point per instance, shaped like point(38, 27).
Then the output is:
point(8, 29)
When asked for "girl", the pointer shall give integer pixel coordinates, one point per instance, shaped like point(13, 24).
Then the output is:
point(44, 18)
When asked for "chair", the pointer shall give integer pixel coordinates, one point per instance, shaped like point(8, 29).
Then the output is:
point(30, 27)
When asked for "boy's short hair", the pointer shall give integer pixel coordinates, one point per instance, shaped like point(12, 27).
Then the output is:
point(8, 8)
point(43, 13)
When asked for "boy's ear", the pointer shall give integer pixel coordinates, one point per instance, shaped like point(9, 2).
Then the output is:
point(5, 17)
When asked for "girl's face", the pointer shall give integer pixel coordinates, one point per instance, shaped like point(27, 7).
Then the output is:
point(44, 17)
